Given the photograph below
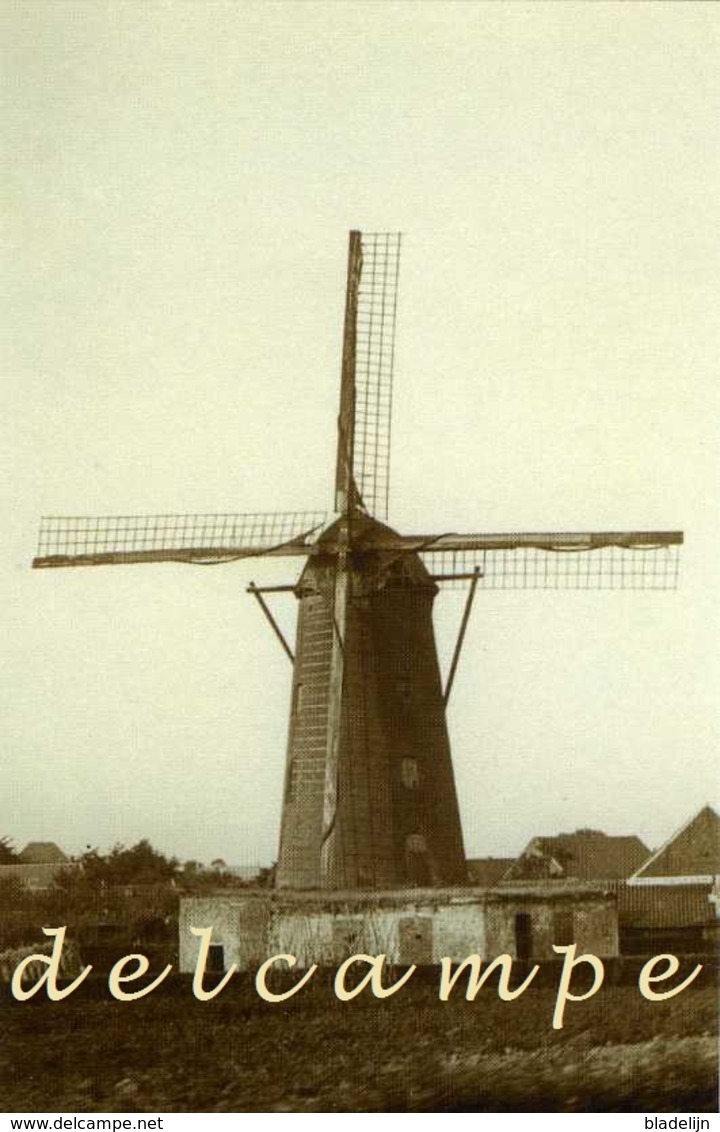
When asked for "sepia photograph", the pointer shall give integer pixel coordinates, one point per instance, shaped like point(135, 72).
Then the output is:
point(361, 570)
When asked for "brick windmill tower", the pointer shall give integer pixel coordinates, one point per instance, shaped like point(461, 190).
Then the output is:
point(369, 799)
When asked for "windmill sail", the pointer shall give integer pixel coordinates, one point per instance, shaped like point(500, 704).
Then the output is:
point(346, 492)
point(629, 560)
point(105, 540)
point(592, 560)
point(361, 484)
point(330, 867)
point(363, 464)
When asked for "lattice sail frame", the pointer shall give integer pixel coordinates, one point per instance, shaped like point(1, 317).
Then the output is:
point(640, 560)
point(530, 568)
point(376, 318)
point(116, 539)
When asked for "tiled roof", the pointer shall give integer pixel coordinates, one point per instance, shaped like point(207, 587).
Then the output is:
point(693, 851)
point(587, 854)
point(42, 853)
point(488, 870)
point(665, 906)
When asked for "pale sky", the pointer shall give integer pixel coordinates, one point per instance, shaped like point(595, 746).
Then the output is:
point(180, 179)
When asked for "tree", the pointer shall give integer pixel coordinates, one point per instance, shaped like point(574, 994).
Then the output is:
point(141, 864)
point(266, 876)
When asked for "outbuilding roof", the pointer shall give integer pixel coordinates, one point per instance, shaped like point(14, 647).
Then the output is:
point(587, 854)
point(488, 870)
point(42, 853)
point(692, 852)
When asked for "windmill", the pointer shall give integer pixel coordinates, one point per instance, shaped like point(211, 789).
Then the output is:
point(369, 798)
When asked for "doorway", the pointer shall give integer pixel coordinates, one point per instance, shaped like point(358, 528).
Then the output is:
point(523, 935)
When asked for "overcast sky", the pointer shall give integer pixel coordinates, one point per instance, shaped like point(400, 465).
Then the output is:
point(181, 178)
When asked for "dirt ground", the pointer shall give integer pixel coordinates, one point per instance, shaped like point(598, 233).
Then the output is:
point(171, 1053)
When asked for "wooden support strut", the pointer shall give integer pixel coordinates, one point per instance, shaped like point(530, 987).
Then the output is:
point(461, 636)
point(255, 591)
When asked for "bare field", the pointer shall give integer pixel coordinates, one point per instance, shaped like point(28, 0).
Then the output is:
point(236, 1053)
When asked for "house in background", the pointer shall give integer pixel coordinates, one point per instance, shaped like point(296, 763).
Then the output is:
point(42, 853)
point(36, 867)
point(587, 855)
point(690, 856)
point(671, 902)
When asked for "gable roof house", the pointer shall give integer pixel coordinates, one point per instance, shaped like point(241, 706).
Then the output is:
point(690, 856)
point(587, 854)
point(674, 897)
point(36, 867)
point(667, 900)
point(42, 853)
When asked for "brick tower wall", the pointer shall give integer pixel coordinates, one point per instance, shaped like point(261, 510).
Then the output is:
point(301, 826)
point(397, 821)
